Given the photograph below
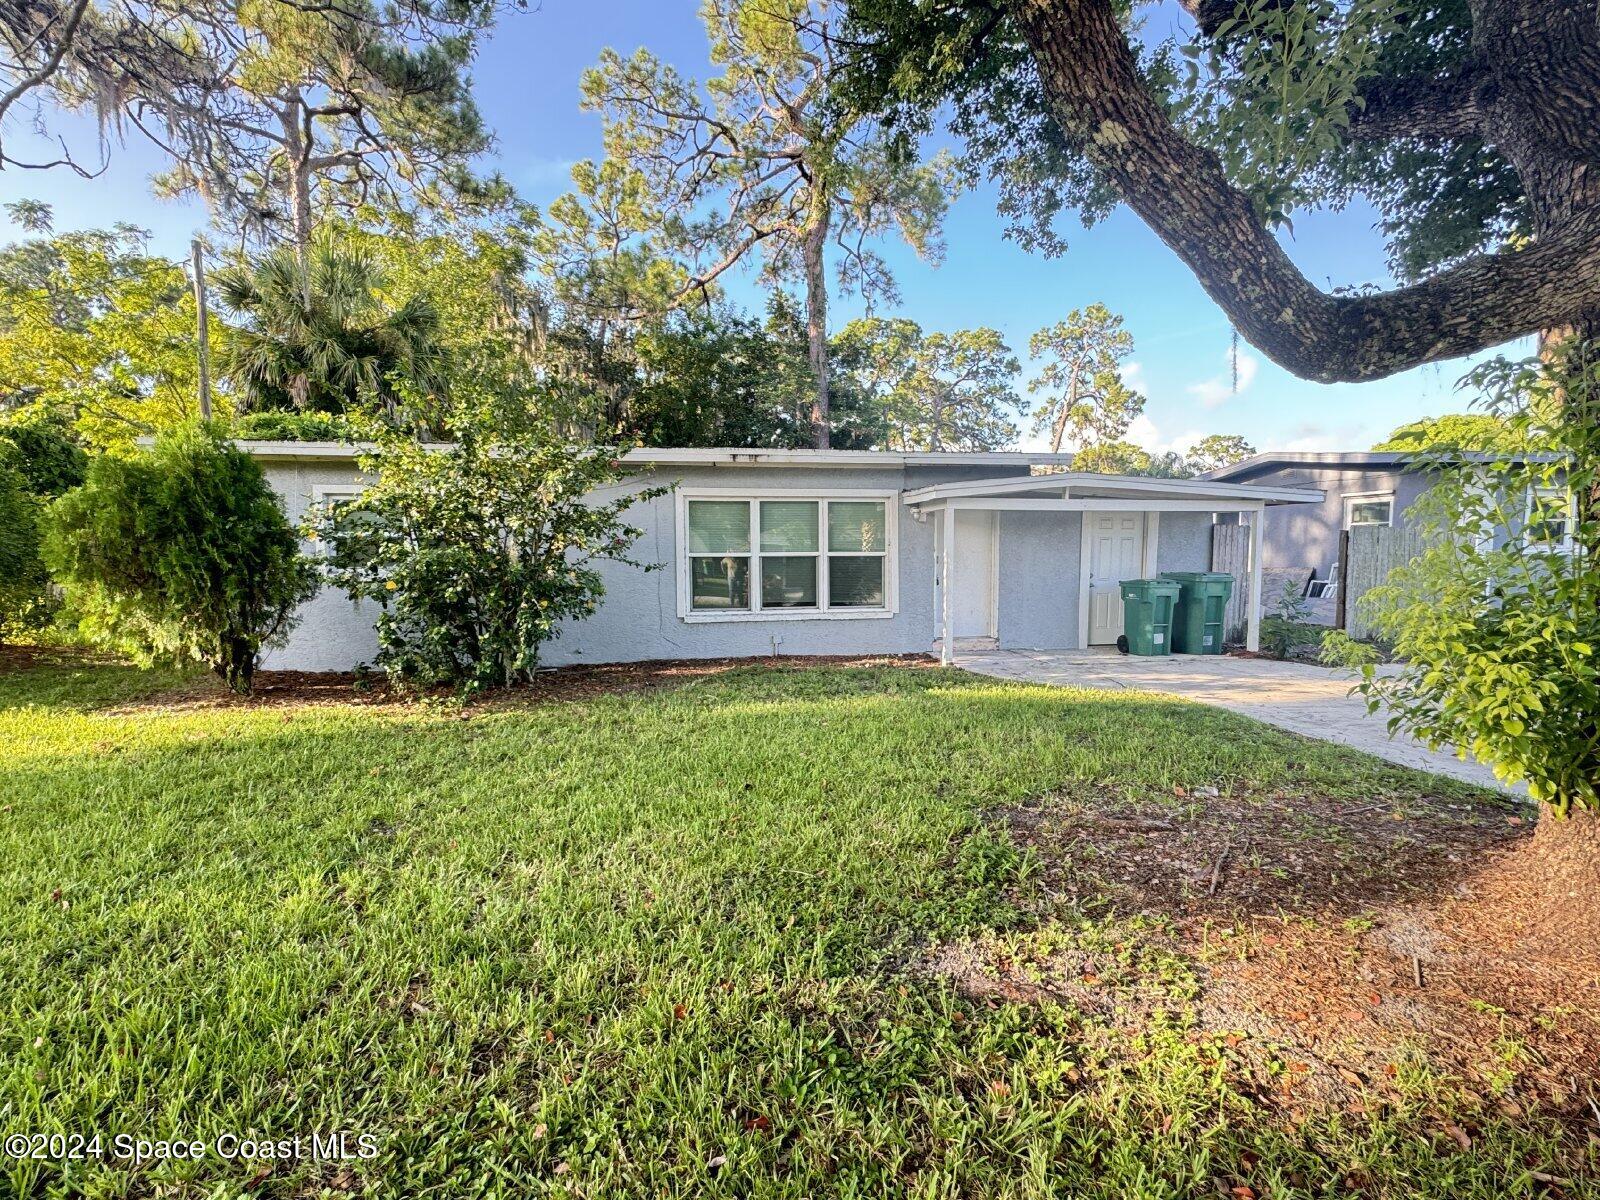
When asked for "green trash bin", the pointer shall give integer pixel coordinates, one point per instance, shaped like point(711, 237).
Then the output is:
point(1198, 624)
point(1147, 606)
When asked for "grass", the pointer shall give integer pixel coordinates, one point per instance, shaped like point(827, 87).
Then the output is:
point(663, 943)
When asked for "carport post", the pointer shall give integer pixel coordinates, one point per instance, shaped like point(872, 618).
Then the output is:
point(1252, 620)
point(947, 649)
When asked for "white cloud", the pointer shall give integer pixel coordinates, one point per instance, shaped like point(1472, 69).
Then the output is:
point(1219, 389)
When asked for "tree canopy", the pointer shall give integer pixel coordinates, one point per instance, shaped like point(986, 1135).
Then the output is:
point(762, 162)
point(1083, 394)
point(1470, 127)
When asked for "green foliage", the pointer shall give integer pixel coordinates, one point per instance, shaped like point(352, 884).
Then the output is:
point(1124, 458)
point(1499, 617)
point(937, 391)
point(316, 334)
point(96, 337)
point(278, 426)
point(1339, 649)
point(1284, 628)
point(1085, 398)
point(1218, 450)
point(477, 552)
point(1454, 431)
point(716, 377)
point(24, 596)
point(41, 446)
point(180, 552)
point(1271, 93)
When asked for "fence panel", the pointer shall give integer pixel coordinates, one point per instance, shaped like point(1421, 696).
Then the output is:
point(1374, 551)
point(1230, 552)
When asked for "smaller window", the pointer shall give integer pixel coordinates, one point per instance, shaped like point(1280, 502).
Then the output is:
point(1549, 518)
point(1368, 510)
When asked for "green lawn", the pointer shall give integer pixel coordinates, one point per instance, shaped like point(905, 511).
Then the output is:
point(664, 943)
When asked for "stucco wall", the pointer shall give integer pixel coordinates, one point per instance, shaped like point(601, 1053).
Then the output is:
point(1307, 535)
point(1038, 584)
point(334, 633)
point(1184, 542)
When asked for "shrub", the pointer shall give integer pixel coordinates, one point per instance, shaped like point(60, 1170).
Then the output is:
point(1284, 629)
point(476, 552)
point(1499, 618)
point(25, 601)
point(292, 427)
point(1339, 649)
point(180, 552)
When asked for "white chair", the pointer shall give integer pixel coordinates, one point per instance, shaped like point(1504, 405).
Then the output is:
point(1325, 589)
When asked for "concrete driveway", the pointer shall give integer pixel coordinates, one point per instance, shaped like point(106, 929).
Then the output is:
point(1305, 699)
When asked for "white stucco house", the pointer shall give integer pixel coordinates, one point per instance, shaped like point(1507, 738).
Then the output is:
point(839, 552)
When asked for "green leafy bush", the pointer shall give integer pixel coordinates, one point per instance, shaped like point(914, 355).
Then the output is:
point(1339, 649)
point(476, 551)
point(1499, 618)
point(25, 601)
point(270, 426)
point(180, 552)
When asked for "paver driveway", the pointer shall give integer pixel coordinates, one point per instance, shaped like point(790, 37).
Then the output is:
point(1305, 699)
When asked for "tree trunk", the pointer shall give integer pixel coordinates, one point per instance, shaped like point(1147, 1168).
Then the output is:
point(812, 246)
point(1060, 429)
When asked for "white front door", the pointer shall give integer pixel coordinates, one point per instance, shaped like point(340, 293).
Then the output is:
point(1116, 552)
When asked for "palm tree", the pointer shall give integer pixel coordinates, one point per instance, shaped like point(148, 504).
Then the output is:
point(318, 336)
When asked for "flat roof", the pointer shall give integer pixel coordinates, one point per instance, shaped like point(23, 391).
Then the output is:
point(1359, 458)
point(724, 456)
point(1091, 484)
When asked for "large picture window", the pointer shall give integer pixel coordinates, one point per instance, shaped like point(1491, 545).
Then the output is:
point(787, 556)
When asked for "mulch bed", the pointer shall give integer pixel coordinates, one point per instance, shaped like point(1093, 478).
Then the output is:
point(286, 688)
point(1332, 941)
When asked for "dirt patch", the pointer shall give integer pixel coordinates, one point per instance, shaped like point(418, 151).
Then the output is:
point(1205, 853)
point(1330, 947)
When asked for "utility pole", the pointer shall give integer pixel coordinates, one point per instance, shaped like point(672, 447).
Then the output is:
point(200, 318)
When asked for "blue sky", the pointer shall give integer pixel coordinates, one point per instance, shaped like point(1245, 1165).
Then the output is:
point(526, 81)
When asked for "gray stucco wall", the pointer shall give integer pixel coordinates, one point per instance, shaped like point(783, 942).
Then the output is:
point(1307, 535)
point(1038, 557)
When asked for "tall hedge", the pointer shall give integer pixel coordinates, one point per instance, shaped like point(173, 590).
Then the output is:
point(180, 552)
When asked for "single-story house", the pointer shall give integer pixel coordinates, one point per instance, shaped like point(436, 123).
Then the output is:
point(1356, 488)
point(837, 552)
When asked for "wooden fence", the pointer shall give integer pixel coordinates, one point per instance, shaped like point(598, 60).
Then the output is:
point(1230, 552)
point(1370, 553)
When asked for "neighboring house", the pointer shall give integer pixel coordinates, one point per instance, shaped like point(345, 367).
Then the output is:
point(838, 552)
point(1357, 488)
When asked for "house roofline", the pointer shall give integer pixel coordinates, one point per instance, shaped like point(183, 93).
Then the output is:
point(1404, 459)
point(719, 456)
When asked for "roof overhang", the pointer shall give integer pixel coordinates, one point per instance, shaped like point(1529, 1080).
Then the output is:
point(708, 457)
point(1080, 491)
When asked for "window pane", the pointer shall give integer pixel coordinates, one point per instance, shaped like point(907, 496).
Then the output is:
point(855, 582)
point(788, 582)
point(788, 524)
point(719, 527)
point(719, 582)
point(1547, 518)
point(1370, 512)
point(856, 525)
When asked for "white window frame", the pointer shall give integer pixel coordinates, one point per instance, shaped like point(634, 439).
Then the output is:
point(1351, 499)
point(322, 493)
point(822, 496)
point(1569, 541)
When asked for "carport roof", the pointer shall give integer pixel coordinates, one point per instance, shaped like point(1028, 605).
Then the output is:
point(1084, 485)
